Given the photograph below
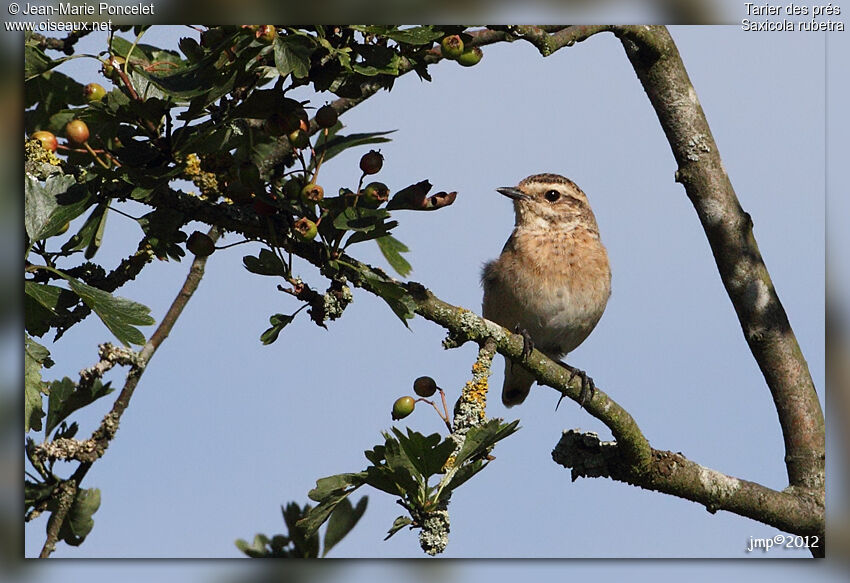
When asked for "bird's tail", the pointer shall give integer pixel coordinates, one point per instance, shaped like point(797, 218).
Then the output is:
point(517, 385)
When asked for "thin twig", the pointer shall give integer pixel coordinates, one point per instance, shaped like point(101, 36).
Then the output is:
point(109, 425)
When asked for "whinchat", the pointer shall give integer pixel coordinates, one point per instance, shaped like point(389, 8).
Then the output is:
point(552, 280)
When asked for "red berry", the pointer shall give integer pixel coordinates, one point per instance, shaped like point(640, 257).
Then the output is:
point(403, 407)
point(47, 139)
point(77, 132)
point(200, 244)
point(371, 162)
point(326, 117)
point(424, 386)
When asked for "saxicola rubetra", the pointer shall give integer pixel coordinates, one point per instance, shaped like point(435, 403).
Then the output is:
point(552, 280)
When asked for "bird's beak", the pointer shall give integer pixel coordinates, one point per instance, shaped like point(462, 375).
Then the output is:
point(512, 192)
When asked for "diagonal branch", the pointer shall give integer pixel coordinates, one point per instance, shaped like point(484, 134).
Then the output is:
point(103, 435)
point(798, 509)
point(672, 473)
point(729, 230)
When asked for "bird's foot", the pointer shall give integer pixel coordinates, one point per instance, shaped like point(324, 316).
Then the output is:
point(527, 342)
point(588, 387)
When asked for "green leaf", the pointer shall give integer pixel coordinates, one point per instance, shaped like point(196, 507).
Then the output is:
point(376, 455)
point(479, 438)
point(44, 302)
point(262, 103)
point(292, 55)
point(392, 249)
point(79, 522)
point(404, 472)
point(90, 235)
point(332, 484)
point(410, 197)
point(65, 398)
point(266, 264)
point(359, 219)
point(119, 314)
point(379, 231)
point(342, 520)
point(278, 322)
point(377, 60)
point(418, 35)
point(340, 143)
point(464, 472)
point(36, 356)
point(306, 542)
point(36, 61)
point(35, 492)
point(44, 214)
point(398, 524)
point(394, 295)
point(316, 517)
point(429, 454)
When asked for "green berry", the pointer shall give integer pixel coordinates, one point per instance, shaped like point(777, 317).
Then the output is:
point(94, 92)
point(200, 244)
point(305, 229)
point(312, 193)
point(266, 33)
point(375, 194)
point(424, 386)
point(299, 139)
point(371, 162)
point(470, 57)
point(451, 46)
point(403, 407)
point(108, 68)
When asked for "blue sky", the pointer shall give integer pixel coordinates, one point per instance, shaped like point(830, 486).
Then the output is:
point(222, 430)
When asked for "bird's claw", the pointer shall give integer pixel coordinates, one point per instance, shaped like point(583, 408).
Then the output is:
point(527, 342)
point(588, 387)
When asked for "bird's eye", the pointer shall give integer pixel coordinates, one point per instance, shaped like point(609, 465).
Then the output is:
point(552, 195)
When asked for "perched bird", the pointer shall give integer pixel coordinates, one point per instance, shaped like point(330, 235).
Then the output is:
point(552, 281)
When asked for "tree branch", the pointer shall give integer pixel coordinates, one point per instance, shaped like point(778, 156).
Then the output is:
point(672, 473)
point(729, 229)
point(96, 445)
point(64, 496)
point(798, 509)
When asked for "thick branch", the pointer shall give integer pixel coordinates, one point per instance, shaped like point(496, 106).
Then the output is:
point(64, 496)
point(768, 333)
point(464, 325)
point(672, 473)
point(655, 58)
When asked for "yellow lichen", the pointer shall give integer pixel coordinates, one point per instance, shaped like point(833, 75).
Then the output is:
point(207, 182)
point(449, 464)
point(38, 154)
